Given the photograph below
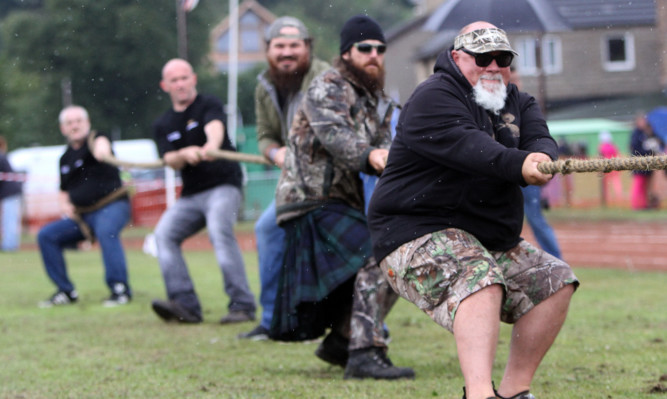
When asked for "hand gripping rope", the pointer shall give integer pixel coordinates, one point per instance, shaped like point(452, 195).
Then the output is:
point(217, 154)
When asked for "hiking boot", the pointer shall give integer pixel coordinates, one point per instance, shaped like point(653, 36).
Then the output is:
point(237, 316)
point(374, 363)
point(258, 333)
point(119, 296)
point(333, 349)
point(60, 298)
point(173, 311)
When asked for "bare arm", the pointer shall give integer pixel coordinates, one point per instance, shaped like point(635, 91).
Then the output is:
point(215, 134)
point(192, 155)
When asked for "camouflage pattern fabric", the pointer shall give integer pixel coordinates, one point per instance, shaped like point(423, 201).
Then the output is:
point(335, 128)
point(484, 41)
point(373, 299)
point(439, 270)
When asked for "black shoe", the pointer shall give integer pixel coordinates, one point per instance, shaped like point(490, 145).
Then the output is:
point(374, 363)
point(520, 395)
point(237, 316)
point(258, 333)
point(60, 298)
point(490, 397)
point(172, 311)
point(333, 349)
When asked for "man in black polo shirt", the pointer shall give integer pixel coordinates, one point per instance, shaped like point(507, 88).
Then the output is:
point(94, 204)
point(210, 197)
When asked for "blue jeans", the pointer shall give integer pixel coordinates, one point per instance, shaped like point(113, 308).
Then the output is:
point(217, 209)
point(11, 223)
point(106, 224)
point(270, 248)
point(543, 232)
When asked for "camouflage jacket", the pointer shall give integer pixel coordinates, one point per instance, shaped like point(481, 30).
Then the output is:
point(335, 128)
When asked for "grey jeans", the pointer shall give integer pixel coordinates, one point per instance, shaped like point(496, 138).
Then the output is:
point(216, 209)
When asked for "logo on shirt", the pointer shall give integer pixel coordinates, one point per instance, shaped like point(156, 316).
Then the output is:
point(508, 119)
point(173, 136)
point(78, 163)
point(191, 124)
point(64, 169)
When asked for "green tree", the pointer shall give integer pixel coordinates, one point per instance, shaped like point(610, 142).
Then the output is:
point(110, 52)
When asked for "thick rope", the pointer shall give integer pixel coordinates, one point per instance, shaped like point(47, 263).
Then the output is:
point(216, 154)
point(573, 165)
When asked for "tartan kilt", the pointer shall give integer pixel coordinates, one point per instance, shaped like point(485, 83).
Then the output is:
point(324, 250)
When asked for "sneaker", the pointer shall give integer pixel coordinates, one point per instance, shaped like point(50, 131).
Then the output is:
point(374, 363)
point(172, 311)
point(60, 298)
point(116, 300)
point(119, 296)
point(237, 316)
point(333, 349)
point(258, 333)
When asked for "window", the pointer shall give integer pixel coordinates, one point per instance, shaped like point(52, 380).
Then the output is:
point(551, 52)
point(618, 52)
point(222, 45)
point(251, 42)
point(526, 62)
point(552, 60)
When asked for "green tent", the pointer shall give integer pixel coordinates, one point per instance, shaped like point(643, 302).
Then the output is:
point(584, 133)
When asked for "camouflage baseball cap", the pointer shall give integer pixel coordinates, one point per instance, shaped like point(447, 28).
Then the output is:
point(484, 41)
point(274, 29)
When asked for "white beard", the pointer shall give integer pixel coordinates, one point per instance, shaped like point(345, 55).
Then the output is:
point(492, 99)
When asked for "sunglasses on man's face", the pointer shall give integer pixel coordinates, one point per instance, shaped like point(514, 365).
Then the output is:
point(483, 60)
point(366, 48)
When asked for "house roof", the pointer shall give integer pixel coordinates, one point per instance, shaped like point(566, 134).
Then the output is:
point(581, 14)
point(554, 15)
point(245, 7)
point(510, 15)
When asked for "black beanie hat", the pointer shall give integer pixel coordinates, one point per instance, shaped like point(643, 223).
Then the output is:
point(357, 29)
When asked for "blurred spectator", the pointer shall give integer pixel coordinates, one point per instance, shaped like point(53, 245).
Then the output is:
point(559, 190)
point(533, 203)
point(607, 150)
point(643, 143)
point(10, 203)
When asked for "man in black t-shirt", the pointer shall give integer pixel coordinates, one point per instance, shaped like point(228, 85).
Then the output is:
point(210, 197)
point(94, 204)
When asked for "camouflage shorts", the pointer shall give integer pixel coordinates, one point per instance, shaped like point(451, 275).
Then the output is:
point(439, 270)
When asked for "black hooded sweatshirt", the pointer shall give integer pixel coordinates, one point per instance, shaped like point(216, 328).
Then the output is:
point(454, 164)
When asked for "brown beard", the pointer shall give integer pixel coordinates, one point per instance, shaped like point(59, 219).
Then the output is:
point(369, 82)
point(289, 82)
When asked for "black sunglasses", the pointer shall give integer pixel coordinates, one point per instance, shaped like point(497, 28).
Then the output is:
point(366, 48)
point(503, 59)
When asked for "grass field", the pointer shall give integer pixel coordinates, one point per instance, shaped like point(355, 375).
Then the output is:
point(613, 344)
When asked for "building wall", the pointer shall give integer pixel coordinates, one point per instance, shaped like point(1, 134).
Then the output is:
point(661, 15)
point(403, 72)
point(584, 76)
